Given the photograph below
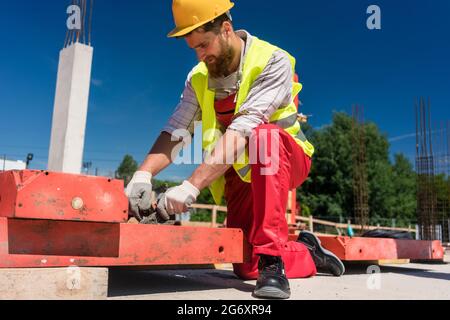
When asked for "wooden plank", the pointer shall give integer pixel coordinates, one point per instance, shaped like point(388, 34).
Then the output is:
point(311, 220)
point(344, 226)
point(388, 262)
point(311, 224)
point(197, 224)
point(209, 207)
point(54, 284)
point(214, 217)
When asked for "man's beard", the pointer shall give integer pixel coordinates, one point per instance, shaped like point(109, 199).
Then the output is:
point(220, 67)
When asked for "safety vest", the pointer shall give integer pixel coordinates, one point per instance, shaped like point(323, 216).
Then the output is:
point(285, 117)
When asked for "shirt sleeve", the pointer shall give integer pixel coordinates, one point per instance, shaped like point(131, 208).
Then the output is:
point(186, 113)
point(270, 91)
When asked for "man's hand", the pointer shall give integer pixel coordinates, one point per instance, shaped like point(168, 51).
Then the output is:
point(139, 192)
point(179, 199)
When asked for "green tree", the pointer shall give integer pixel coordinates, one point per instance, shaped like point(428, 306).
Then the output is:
point(328, 192)
point(127, 169)
point(405, 181)
point(380, 175)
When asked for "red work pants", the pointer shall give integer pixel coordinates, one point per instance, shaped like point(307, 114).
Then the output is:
point(259, 208)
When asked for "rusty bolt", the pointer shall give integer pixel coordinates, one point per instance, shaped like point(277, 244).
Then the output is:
point(77, 203)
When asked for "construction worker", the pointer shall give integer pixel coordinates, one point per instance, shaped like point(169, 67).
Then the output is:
point(244, 88)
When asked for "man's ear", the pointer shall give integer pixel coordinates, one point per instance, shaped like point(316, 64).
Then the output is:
point(227, 28)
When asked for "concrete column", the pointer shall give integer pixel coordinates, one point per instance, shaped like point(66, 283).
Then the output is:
point(70, 109)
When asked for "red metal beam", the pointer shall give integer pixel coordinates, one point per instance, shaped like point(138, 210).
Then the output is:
point(370, 249)
point(57, 196)
point(57, 220)
point(50, 219)
point(43, 244)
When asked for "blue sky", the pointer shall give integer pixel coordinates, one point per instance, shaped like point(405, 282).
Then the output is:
point(138, 74)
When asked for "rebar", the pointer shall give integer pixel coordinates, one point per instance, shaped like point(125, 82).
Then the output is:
point(442, 171)
point(79, 35)
point(83, 21)
point(425, 168)
point(90, 22)
point(360, 180)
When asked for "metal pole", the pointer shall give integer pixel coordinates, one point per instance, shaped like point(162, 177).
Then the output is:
point(79, 30)
point(72, 35)
point(84, 21)
point(83, 27)
point(90, 22)
point(448, 229)
point(67, 38)
point(429, 127)
point(417, 132)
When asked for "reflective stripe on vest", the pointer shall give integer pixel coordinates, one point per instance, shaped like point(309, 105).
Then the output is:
point(285, 117)
point(286, 122)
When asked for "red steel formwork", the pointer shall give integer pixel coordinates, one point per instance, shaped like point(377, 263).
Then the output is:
point(56, 220)
point(373, 249)
point(55, 196)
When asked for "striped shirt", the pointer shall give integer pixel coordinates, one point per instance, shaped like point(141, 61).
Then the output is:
point(270, 91)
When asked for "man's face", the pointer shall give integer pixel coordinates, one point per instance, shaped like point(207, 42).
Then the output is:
point(212, 49)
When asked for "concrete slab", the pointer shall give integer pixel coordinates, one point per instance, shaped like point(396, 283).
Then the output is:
point(54, 284)
point(394, 282)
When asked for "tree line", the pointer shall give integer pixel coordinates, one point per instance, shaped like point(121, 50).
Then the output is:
point(328, 192)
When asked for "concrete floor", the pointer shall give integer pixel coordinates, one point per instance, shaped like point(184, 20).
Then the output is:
point(395, 282)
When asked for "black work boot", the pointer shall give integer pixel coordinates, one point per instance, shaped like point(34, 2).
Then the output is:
point(323, 259)
point(272, 282)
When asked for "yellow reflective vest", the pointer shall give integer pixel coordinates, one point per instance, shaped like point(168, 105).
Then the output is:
point(285, 117)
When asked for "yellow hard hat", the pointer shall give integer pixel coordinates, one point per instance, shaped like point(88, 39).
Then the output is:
point(192, 14)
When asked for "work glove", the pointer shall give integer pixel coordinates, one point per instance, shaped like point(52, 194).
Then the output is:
point(139, 193)
point(179, 199)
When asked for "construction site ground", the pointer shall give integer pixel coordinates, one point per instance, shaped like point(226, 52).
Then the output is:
point(413, 281)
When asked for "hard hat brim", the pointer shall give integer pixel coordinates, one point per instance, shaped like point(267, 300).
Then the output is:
point(180, 32)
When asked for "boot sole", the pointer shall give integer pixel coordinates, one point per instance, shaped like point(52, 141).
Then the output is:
point(324, 251)
point(271, 293)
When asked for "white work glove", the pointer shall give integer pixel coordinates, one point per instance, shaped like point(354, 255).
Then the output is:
point(139, 192)
point(179, 199)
